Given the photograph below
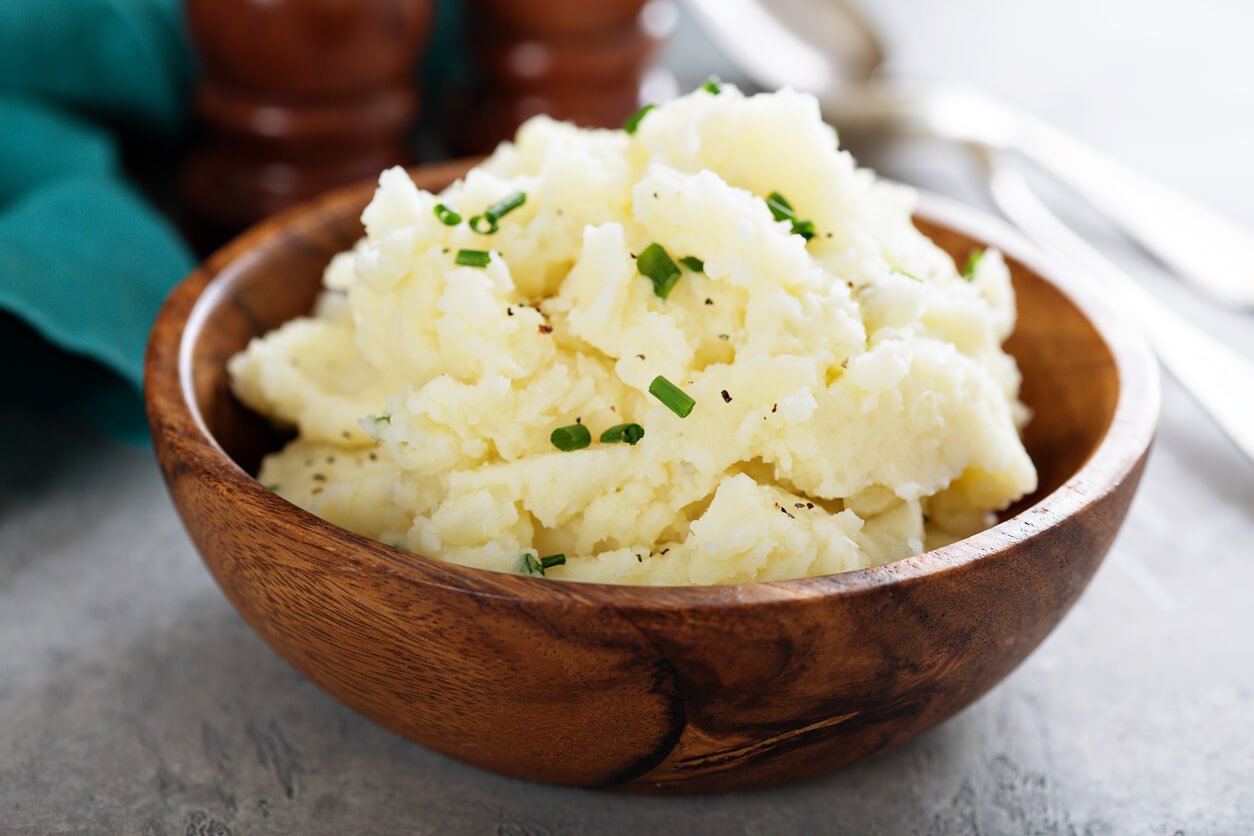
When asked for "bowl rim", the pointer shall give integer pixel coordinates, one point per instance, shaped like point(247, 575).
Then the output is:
point(174, 415)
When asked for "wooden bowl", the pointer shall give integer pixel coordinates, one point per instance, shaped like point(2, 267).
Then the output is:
point(671, 689)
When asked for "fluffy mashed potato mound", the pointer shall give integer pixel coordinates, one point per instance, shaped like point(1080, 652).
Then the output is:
point(853, 402)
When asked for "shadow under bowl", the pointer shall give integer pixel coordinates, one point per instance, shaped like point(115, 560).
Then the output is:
point(670, 689)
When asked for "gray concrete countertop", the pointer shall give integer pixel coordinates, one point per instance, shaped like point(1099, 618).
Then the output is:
point(134, 700)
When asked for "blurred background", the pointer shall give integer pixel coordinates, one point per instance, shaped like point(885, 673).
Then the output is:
point(138, 135)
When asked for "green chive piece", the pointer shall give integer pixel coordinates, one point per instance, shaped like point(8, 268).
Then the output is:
point(473, 258)
point(656, 265)
point(782, 210)
point(633, 121)
point(912, 276)
point(552, 560)
point(671, 396)
point(780, 207)
point(713, 85)
point(693, 263)
point(623, 434)
point(973, 264)
point(495, 212)
point(477, 224)
point(573, 437)
point(529, 564)
point(273, 487)
point(506, 205)
point(447, 215)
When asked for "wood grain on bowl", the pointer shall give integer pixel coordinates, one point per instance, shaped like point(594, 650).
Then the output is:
point(677, 689)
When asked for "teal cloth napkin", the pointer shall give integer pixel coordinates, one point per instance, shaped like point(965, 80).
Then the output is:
point(84, 261)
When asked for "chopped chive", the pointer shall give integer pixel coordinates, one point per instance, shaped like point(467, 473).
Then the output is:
point(552, 560)
point(713, 85)
point(693, 263)
point(476, 223)
point(506, 205)
point(473, 258)
point(447, 215)
point(497, 211)
point(273, 487)
point(633, 121)
point(529, 564)
point(973, 263)
point(656, 265)
point(623, 434)
point(912, 276)
point(671, 396)
point(782, 210)
point(780, 207)
point(573, 437)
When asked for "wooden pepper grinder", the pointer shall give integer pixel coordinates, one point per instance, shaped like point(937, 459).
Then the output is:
point(573, 59)
point(299, 96)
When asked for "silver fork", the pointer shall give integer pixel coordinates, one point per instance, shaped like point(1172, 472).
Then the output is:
point(1199, 245)
point(1219, 379)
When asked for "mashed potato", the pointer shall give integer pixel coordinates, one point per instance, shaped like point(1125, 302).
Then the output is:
point(853, 404)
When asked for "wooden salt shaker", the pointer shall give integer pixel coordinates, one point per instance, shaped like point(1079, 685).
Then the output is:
point(572, 59)
point(299, 96)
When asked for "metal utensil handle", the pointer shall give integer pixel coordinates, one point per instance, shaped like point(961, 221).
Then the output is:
point(1219, 379)
point(1200, 245)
